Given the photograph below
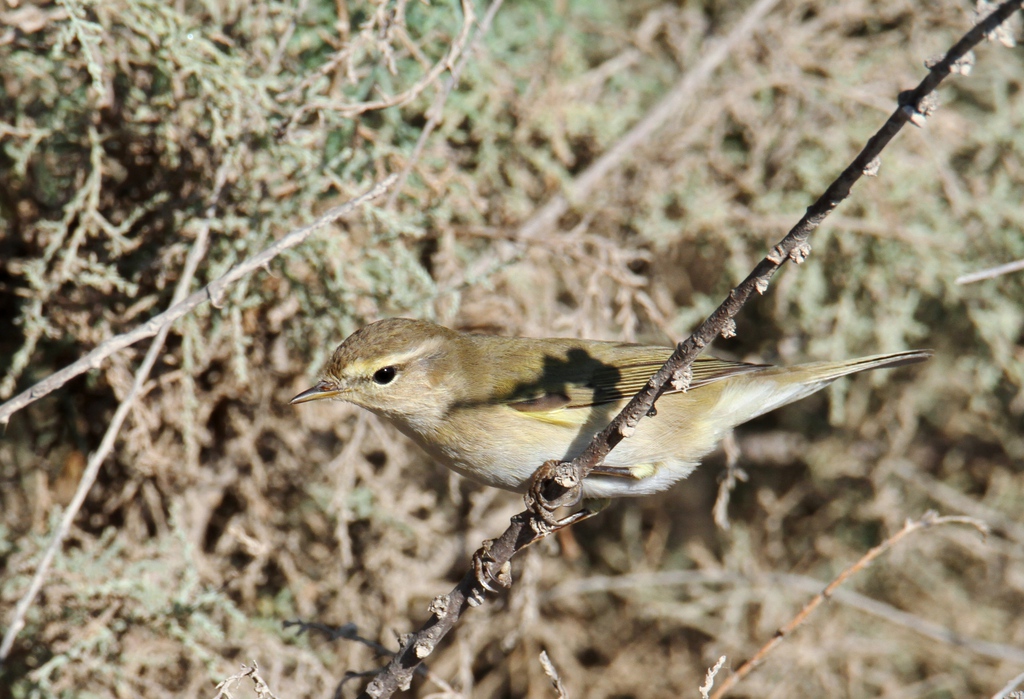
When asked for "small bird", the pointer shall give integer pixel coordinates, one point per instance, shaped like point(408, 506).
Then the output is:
point(495, 408)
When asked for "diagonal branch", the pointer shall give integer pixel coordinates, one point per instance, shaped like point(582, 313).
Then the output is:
point(914, 106)
point(212, 291)
point(436, 111)
point(669, 107)
point(929, 519)
point(352, 110)
point(92, 469)
point(533, 524)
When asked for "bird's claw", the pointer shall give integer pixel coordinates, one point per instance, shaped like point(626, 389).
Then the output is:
point(482, 563)
point(554, 485)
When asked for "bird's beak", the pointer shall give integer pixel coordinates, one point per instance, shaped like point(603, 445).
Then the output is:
point(322, 390)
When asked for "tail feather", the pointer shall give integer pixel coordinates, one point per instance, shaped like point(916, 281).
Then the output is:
point(757, 393)
point(830, 371)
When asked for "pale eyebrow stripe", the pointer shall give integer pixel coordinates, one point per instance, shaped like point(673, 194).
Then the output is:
point(365, 367)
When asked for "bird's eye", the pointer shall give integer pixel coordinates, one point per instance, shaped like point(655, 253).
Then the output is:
point(385, 375)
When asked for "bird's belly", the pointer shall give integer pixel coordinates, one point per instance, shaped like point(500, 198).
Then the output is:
point(507, 459)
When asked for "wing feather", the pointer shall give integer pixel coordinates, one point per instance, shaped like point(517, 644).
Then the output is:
point(613, 377)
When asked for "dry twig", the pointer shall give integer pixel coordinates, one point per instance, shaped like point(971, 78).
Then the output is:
point(914, 106)
point(709, 678)
point(259, 684)
point(991, 273)
point(929, 519)
point(552, 672)
point(436, 111)
point(211, 292)
point(92, 470)
point(1007, 692)
point(350, 632)
point(493, 559)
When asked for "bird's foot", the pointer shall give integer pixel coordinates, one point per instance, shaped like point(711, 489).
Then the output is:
point(554, 485)
point(482, 570)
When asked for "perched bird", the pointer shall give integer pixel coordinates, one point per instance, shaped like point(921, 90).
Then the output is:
point(495, 408)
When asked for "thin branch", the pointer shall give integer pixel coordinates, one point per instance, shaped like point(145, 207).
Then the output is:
point(350, 632)
point(929, 519)
point(671, 106)
point(259, 684)
point(212, 291)
point(530, 526)
point(914, 106)
point(1006, 691)
point(436, 112)
point(709, 678)
point(991, 273)
point(552, 672)
point(92, 469)
point(351, 110)
point(445, 610)
point(855, 600)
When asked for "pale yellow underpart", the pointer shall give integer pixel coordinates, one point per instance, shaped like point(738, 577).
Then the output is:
point(664, 449)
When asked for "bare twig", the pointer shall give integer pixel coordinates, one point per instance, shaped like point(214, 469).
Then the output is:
point(1007, 691)
point(350, 109)
point(913, 107)
point(672, 105)
point(886, 612)
point(991, 273)
point(552, 672)
point(436, 111)
point(350, 632)
point(709, 678)
point(445, 610)
point(527, 527)
point(92, 469)
point(212, 291)
point(929, 519)
point(259, 684)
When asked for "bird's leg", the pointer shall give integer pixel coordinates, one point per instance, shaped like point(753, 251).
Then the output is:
point(574, 518)
point(591, 507)
point(616, 471)
point(482, 561)
point(554, 485)
point(558, 484)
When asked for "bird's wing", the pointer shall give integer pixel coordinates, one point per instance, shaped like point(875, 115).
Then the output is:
point(618, 375)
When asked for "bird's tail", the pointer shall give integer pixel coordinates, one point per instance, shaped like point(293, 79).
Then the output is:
point(818, 372)
point(759, 392)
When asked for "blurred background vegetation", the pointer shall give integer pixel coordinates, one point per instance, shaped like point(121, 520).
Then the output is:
point(225, 512)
